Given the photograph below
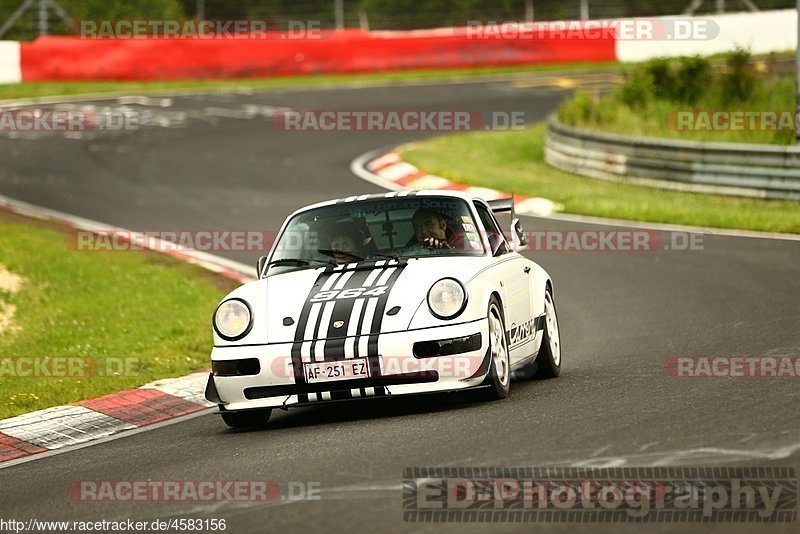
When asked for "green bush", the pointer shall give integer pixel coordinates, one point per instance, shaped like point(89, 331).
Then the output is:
point(693, 79)
point(123, 9)
point(739, 79)
point(610, 113)
point(578, 110)
point(27, 26)
point(409, 14)
point(681, 80)
point(637, 90)
point(662, 78)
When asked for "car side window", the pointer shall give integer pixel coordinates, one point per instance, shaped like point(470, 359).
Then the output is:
point(490, 224)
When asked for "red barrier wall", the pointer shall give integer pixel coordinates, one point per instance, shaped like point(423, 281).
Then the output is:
point(70, 58)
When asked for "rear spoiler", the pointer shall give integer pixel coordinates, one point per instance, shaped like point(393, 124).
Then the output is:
point(502, 205)
point(518, 239)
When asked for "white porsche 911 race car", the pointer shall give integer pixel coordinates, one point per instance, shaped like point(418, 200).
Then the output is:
point(382, 295)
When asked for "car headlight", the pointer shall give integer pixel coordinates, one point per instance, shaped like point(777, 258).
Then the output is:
point(447, 298)
point(233, 319)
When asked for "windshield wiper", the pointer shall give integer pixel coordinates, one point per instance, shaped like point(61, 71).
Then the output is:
point(299, 262)
point(332, 251)
point(394, 257)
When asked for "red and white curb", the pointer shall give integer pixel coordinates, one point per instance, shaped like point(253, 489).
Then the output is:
point(63, 426)
point(390, 171)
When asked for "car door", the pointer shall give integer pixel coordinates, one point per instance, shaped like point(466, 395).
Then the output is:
point(513, 274)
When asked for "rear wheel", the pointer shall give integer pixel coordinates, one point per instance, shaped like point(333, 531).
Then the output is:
point(247, 419)
point(499, 377)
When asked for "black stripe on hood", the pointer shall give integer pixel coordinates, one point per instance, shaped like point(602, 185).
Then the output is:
point(344, 310)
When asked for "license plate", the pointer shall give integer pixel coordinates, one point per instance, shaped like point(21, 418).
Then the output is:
point(339, 370)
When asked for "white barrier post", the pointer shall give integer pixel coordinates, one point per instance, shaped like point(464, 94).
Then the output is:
point(10, 66)
point(797, 76)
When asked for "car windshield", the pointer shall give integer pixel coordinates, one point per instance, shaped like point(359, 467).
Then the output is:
point(393, 227)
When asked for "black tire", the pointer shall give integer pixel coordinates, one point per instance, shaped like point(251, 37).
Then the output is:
point(548, 363)
point(499, 378)
point(247, 419)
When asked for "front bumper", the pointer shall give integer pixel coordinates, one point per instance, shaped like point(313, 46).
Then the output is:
point(395, 371)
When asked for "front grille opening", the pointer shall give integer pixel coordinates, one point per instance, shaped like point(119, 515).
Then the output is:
point(246, 367)
point(447, 347)
point(263, 392)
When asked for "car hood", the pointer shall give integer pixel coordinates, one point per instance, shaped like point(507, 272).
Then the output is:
point(323, 303)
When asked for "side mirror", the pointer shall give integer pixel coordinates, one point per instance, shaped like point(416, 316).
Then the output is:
point(262, 262)
point(497, 243)
point(518, 237)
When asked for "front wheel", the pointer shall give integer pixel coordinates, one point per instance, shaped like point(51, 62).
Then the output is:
point(549, 359)
point(247, 419)
point(499, 377)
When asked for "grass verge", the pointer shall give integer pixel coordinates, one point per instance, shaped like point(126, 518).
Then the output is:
point(100, 306)
point(41, 89)
point(514, 161)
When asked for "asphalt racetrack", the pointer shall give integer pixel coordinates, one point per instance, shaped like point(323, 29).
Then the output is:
point(216, 162)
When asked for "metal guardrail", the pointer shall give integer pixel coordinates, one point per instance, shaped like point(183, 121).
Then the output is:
point(763, 171)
